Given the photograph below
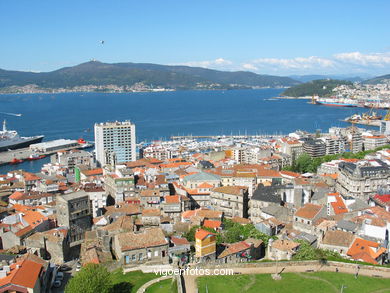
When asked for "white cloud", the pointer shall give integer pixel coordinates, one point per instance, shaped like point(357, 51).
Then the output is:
point(248, 66)
point(372, 59)
point(296, 63)
point(341, 63)
point(219, 62)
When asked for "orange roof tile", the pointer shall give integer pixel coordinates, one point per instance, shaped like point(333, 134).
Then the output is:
point(212, 224)
point(172, 199)
point(308, 211)
point(205, 185)
point(362, 246)
point(23, 273)
point(97, 171)
point(202, 234)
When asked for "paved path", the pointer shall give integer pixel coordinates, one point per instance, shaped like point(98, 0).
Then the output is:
point(191, 286)
point(143, 288)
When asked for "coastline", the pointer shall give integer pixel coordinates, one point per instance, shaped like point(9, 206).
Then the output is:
point(294, 98)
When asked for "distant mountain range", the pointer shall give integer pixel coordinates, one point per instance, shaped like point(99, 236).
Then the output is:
point(130, 74)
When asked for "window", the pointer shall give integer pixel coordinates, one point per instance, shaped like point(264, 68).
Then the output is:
point(140, 256)
point(156, 253)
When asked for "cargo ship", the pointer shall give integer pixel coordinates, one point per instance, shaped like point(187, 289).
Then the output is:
point(10, 139)
point(337, 102)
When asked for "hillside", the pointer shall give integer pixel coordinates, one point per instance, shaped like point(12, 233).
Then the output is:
point(321, 87)
point(154, 75)
point(378, 79)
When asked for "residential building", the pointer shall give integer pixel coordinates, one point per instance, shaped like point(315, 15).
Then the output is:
point(366, 251)
point(74, 212)
point(205, 246)
point(305, 217)
point(337, 241)
point(372, 142)
point(282, 249)
point(115, 142)
point(231, 200)
point(362, 179)
point(314, 148)
point(148, 246)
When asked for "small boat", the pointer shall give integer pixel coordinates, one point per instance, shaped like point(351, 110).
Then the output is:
point(15, 161)
point(81, 141)
point(34, 157)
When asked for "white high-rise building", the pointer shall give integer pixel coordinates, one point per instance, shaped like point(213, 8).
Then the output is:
point(115, 142)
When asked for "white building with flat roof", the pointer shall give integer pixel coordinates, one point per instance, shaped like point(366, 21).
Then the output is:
point(115, 142)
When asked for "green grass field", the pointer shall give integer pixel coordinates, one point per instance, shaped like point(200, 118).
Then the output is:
point(165, 286)
point(320, 282)
point(131, 281)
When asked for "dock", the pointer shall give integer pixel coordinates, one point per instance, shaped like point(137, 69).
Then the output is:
point(376, 123)
point(25, 153)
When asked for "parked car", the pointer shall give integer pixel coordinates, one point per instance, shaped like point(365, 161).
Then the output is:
point(64, 268)
point(60, 276)
point(78, 267)
point(57, 284)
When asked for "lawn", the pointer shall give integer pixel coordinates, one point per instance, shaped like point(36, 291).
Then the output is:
point(320, 282)
point(131, 281)
point(164, 286)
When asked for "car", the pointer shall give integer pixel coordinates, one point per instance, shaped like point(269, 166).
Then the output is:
point(60, 276)
point(64, 268)
point(78, 267)
point(57, 284)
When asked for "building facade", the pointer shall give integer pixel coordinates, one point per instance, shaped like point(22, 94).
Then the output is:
point(115, 142)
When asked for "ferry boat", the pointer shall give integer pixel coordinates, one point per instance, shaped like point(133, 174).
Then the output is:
point(336, 102)
point(10, 139)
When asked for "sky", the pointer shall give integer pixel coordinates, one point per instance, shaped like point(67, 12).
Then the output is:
point(279, 37)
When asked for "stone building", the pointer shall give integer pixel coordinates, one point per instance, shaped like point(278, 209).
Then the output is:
point(148, 246)
point(231, 200)
point(282, 249)
point(74, 212)
point(305, 217)
point(50, 245)
point(362, 179)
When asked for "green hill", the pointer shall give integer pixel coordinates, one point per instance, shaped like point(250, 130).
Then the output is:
point(378, 79)
point(321, 87)
point(176, 77)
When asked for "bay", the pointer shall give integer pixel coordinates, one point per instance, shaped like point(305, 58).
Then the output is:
point(159, 115)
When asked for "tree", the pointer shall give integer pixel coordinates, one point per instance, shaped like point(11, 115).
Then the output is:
point(91, 278)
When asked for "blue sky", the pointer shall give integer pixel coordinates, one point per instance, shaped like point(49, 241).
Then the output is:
point(269, 37)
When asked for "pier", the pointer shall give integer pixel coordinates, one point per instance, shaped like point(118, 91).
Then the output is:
point(24, 153)
point(376, 123)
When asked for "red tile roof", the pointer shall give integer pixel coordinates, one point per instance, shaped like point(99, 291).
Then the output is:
point(365, 250)
point(202, 234)
point(212, 224)
point(172, 199)
point(234, 248)
point(179, 240)
point(308, 211)
point(23, 273)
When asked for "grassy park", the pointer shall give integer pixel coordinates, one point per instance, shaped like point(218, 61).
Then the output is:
point(293, 282)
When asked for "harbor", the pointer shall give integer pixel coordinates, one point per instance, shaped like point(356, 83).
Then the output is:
point(41, 150)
